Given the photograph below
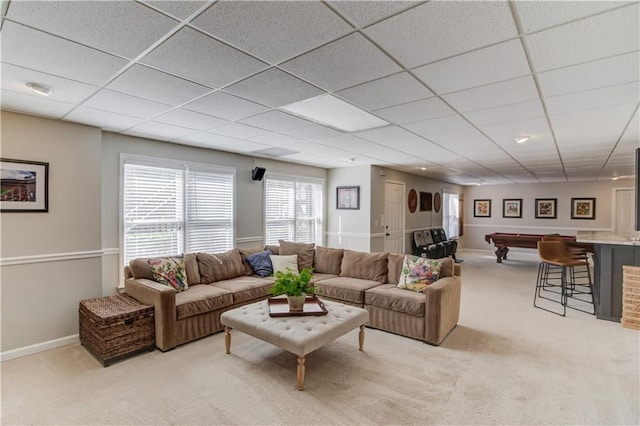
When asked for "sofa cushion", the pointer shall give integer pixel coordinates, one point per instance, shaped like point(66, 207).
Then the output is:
point(327, 260)
point(418, 272)
point(345, 288)
point(201, 299)
point(394, 267)
point(244, 252)
point(140, 268)
point(169, 271)
point(274, 249)
point(319, 276)
point(304, 251)
point(220, 266)
point(390, 297)
point(245, 289)
point(284, 263)
point(366, 266)
point(261, 263)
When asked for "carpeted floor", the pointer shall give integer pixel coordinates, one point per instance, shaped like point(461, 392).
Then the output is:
point(505, 363)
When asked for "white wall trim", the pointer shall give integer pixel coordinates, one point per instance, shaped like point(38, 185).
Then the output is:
point(378, 235)
point(53, 257)
point(39, 347)
point(566, 228)
point(110, 251)
point(258, 239)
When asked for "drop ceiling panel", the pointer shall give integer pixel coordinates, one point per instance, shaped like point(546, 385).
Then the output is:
point(504, 93)
point(306, 146)
point(138, 26)
point(609, 34)
point(106, 120)
point(363, 13)
point(603, 124)
point(346, 62)
point(502, 114)
point(383, 133)
point(117, 102)
point(476, 68)
point(276, 139)
point(592, 75)
point(506, 133)
point(190, 119)
point(388, 91)
point(160, 131)
point(609, 96)
point(259, 28)
point(197, 57)
point(274, 88)
point(396, 157)
point(181, 9)
point(341, 141)
point(429, 128)
point(632, 133)
point(237, 130)
point(42, 52)
point(225, 106)
point(415, 111)
point(447, 28)
point(275, 121)
point(15, 101)
point(157, 86)
point(313, 131)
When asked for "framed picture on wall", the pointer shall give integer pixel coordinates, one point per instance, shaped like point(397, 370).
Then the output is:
point(481, 208)
point(24, 186)
point(546, 208)
point(512, 207)
point(348, 198)
point(583, 208)
point(426, 202)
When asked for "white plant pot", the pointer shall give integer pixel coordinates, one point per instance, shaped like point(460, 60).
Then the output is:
point(296, 303)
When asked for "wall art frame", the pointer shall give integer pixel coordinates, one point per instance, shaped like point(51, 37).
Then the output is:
point(426, 201)
point(24, 186)
point(512, 208)
point(546, 208)
point(481, 208)
point(583, 208)
point(348, 198)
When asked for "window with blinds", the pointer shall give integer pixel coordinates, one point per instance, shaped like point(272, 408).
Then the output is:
point(293, 210)
point(172, 210)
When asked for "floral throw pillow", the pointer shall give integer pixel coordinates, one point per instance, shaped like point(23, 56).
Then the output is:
point(170, 271)
point(419, 272)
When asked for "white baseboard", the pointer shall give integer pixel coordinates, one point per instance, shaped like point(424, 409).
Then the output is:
point(39, 347)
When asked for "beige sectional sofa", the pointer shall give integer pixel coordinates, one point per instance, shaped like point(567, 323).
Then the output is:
point(222, 281)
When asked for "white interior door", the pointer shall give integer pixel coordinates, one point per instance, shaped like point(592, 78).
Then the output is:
point(394, 217)
point(625, 211)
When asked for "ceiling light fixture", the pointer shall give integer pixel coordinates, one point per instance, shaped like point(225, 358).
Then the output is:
point(331, 111)
point(40, 89)
point(351, 160)
point(423, 168)
point(523, 139)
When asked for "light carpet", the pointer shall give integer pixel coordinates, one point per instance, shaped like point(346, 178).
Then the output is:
point(505, 363)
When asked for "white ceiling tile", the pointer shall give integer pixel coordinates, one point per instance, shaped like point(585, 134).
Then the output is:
point(221, 142)
point(32, 49)
point(276, 139)
point(159, 131)
point(363, 13)
point(195, 56)
point(93, 23)
point(632, 134)
point(504, 93)
point(341, 141)
point(506, 113)
point(387, 91)
point(109, 121)
point(590, 99)
point(275, 121)
point(181, 9)
point(592, 75)
point(601, 125)
point(476, 68)
point(428, 128)
point(343, 63)
point(273, 87)
point(306, 146)
point(259, 28)
point(36, 105)
point(15, 79)
point(609, 34)
point(536, 15)
point(157, 86)
point(237, 130)
point(415, 111)
point(226, 106)
point(447, 28)
point(108, 100)
point(190, 119)
point(383, 133)
point(313, 131)
point(506, 133)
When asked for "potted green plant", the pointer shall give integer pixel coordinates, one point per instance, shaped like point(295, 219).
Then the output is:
point(294, 286)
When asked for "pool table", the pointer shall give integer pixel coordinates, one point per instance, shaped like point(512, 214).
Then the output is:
point(502, 241)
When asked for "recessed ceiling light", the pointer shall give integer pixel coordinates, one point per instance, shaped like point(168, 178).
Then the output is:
point(40, 89)
point(523, 139)
point(423, 168)
point(331, 111)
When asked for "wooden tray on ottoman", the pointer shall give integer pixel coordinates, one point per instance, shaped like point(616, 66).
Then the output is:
point(114, 326)
point(279, 307)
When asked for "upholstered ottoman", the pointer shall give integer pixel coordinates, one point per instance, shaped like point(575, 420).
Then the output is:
point(299, 335)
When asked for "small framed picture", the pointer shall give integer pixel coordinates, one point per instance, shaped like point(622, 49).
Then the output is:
point(481, 208)
point(583, 208)
point(512, 207)
point(348, 198)
point(24, 186)
point(426, 202)
point(546, 208)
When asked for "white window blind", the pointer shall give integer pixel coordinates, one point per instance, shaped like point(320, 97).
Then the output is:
point(293, 210)
point(173, 210)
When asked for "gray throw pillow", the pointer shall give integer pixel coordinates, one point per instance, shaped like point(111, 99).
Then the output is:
point(261, 263)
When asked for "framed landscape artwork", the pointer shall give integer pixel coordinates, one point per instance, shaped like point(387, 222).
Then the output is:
point(348, 198)
point(481, 208)
point(546, 208)
point(512, 207)
point(583, 208)
point(24, 186)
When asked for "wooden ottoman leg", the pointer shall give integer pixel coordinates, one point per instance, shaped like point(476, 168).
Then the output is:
point(361, 336)
point(300, 373)
point(227, 339)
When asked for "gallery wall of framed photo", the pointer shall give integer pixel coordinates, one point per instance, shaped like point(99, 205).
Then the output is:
point(544, 208)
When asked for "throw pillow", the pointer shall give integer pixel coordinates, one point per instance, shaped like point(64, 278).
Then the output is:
point(261, 263)
point(303, 250)
point(220, 266)
point(282, 263)
point(327, 260)
point(169, 271)
point(244, 252)
point(366, 266)
point(418, 272)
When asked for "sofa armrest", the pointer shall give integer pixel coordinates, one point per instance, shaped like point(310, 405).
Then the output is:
point(457, 269)
point(442, 308)
point(163, 299)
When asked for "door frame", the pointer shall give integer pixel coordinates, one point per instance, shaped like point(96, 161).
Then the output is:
point(404, 216)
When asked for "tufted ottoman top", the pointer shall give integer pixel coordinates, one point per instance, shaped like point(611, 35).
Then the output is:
point(299, 335)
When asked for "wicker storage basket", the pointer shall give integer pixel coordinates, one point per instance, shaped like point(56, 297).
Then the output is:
point(114, 326)
point(631, 297)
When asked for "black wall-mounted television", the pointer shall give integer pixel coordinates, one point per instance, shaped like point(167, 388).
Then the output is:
point(637, 189)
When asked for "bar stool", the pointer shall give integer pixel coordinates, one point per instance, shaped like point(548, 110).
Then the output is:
point(558, 264)
point(580, 282)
